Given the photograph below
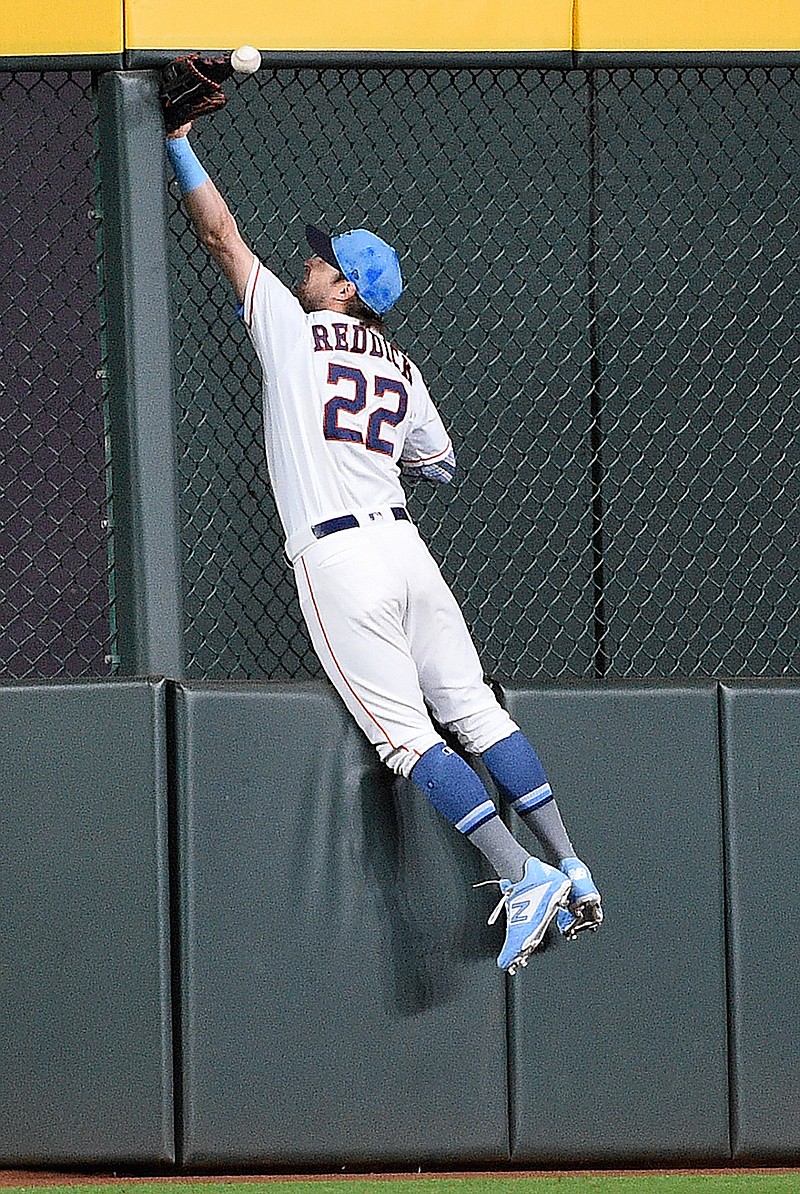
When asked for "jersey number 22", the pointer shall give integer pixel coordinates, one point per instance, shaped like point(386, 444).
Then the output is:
point(353, 405)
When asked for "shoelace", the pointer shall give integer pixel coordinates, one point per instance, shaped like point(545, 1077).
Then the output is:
point(503, 898)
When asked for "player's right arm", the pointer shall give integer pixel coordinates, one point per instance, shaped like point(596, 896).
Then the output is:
point(210, 215)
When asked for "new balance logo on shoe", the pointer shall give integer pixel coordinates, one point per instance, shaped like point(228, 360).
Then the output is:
point(520, 911)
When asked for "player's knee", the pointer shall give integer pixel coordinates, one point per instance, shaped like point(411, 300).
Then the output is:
point(479, 730)
point(403, 759)
point(518, 772)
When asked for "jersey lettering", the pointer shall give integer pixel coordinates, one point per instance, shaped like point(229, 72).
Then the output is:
point(355, 337)
point(320, 334)
point(353, 405)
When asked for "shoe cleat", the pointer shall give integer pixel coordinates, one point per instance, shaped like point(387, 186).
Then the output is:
point(584, 908)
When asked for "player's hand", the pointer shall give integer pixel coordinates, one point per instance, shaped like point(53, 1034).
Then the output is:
point(183, 131)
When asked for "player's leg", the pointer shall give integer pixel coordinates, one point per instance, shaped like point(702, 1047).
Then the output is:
point(452, 680)
point(520, 777)
point(362, 644)
point(350, 604)
point(352, 597)
point(532, 892)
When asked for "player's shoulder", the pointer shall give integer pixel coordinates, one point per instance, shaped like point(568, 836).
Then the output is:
point(263, 280)
point(268, 298)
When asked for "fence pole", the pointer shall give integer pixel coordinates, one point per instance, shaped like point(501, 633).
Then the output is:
point(142, 423)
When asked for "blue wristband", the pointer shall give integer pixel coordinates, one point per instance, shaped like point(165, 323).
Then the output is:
point(188, 171)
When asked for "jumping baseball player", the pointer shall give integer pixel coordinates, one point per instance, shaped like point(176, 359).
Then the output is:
point(346, 415)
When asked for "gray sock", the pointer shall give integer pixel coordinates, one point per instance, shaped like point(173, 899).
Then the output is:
point(546, 823)
point(501, 848)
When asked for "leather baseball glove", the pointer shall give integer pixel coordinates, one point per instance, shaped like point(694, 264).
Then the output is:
point(191, 87)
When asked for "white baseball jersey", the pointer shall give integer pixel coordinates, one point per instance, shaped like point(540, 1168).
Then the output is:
point(342, 408)
point(343, 411)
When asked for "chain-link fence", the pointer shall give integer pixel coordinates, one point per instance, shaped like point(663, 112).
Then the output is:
point(56, 618)
point(697, 277)
point(464, 171)
point(602, 275)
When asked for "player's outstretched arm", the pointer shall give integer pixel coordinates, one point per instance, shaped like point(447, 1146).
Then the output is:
point(210, 215)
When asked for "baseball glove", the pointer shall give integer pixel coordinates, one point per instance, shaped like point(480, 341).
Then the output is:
point(191, 87)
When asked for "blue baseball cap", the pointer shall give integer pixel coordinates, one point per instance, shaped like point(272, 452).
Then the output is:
point(365, 260)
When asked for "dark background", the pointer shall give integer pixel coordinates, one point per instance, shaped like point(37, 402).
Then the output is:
point(54, 546)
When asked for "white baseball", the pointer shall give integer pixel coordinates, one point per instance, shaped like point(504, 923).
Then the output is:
point(245, 60)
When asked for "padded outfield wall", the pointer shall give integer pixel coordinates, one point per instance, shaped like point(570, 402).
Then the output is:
point(232, 946)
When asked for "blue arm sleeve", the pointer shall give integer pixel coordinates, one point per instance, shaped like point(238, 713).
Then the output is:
point(188, 171)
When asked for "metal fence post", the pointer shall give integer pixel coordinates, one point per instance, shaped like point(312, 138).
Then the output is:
point(142, 425)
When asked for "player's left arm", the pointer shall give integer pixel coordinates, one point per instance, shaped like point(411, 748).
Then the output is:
point(442, 468)
point(428, 453)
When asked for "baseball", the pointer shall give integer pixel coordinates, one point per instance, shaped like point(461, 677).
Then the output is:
point(245, 60)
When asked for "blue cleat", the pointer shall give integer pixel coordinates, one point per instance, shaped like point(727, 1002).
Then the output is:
point(530, 904)
point(583, 910)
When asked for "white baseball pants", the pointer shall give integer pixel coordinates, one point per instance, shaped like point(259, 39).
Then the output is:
point(393, 641)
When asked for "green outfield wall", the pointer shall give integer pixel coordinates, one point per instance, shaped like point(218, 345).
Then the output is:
point(87, 1000)
point(232, 945)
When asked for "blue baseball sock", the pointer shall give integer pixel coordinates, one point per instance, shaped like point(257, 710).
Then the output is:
point(518, 772)
point(453, 788)
point(456, 791)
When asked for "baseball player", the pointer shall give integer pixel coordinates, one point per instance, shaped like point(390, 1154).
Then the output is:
point(346, 415)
